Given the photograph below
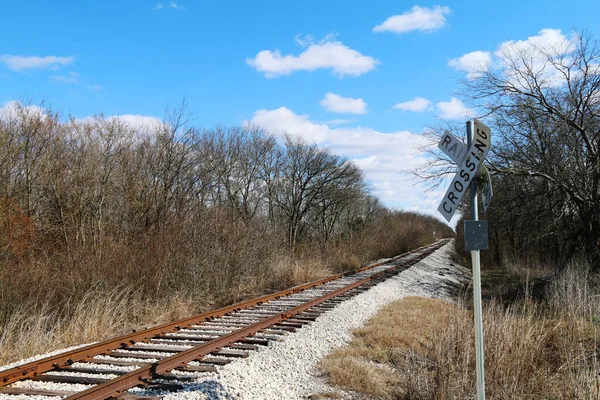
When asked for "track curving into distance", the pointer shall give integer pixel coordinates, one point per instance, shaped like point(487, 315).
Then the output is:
point(164, 356)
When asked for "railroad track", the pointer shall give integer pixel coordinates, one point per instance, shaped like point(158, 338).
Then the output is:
point(161, 358)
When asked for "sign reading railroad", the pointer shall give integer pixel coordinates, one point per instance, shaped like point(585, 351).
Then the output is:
point(453, 147)
point(467, 167)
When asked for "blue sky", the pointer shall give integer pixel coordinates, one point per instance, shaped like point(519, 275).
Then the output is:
point(329, 70)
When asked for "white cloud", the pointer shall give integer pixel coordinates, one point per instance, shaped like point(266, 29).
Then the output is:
point(515, 56)
point(532, 53)
point(94, 87)
point(326, 54)
point(454, 109)
point(13, 109)
point(383, 157)
point(23, 63)
point(345, 105)
point(337, 121)
point(423, 19)
point(71, 77)
point(158, 7)
point(138, 127)
point(474, 63)
point(418, 104)
point(139, 123)
point(283, 120)
point(550, 40)
point(355, 141)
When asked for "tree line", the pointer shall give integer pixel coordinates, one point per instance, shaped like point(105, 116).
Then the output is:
point(82, 182)
point(167, 210)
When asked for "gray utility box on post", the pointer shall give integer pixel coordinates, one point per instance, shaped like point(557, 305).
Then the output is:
point(476, 235)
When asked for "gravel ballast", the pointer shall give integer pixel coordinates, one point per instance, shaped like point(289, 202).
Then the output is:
point(287, 369)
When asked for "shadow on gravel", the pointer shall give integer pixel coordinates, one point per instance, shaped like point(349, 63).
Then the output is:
point(212, 389)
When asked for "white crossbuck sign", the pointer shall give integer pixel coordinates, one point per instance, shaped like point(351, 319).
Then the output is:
point(469, 163)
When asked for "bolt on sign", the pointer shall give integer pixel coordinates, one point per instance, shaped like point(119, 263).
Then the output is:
point(468, 162)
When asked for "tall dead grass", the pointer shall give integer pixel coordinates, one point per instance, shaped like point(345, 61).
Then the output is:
point(421, 349)
point(32, 329)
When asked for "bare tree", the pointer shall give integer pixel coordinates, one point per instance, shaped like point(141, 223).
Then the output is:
point(308, 175)
point(545, 105)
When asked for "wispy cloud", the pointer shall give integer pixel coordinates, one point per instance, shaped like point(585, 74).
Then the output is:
point(24, 63)
point(422, 19)
point(176, 6)
point(71, 77)
point(172, 4)
point(326, 54)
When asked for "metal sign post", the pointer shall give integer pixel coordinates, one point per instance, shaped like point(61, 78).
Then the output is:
point(476, 283)
point(469, 160)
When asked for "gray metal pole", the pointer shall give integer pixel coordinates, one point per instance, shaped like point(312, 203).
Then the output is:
point(476, 286)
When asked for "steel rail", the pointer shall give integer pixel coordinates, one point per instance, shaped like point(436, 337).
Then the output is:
point(32, 369)
point(146, 373)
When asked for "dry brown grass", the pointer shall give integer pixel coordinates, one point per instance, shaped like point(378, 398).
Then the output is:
point(288, 272)
point(32, 330)
point(55, 298)
point(420, 348)
point(367, 364)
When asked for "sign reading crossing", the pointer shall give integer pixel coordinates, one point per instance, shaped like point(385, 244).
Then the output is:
point(467, 167)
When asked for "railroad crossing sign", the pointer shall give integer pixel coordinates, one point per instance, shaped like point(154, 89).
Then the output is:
point(469, 161)
point(470, 164)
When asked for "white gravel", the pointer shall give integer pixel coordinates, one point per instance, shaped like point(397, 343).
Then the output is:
point(39, 357)
point(133, 359)
point(75, 387)
point(286, 369)
point(103, 367)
